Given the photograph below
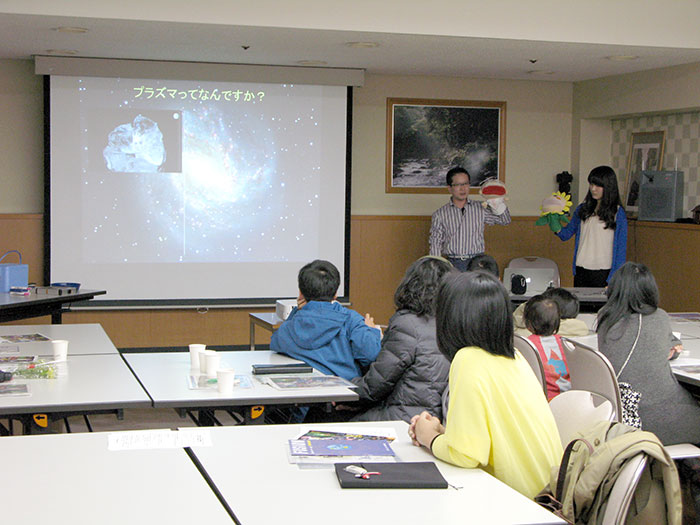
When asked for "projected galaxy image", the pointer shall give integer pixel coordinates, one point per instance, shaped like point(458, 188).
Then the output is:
point(186, 172)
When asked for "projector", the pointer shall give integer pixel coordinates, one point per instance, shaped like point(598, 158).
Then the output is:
point(284, 307)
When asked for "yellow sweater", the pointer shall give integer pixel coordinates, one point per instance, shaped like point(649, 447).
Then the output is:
point(499, 420)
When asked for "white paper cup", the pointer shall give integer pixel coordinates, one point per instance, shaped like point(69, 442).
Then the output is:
point(195, 350)
point(212, 359)
point(225, 379)
point(60, 349)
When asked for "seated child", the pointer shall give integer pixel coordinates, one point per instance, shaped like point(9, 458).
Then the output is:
point(483, 263)
point(568, 304)
point(542, 319)
point(321, 332)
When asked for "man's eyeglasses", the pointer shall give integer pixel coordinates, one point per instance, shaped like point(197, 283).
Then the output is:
point(459, 185)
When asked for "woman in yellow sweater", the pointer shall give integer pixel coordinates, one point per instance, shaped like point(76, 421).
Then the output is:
point(498, 418)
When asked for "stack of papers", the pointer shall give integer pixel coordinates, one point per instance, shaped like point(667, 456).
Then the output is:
point(316, 448)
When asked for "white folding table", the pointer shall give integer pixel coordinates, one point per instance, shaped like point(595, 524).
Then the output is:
point(75, 478)
point(83, 339)
point(164, 376)
point(249, 467)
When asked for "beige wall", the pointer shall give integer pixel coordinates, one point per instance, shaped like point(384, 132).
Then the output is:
point(595, 102)
point(538, 138)
point(21, 136)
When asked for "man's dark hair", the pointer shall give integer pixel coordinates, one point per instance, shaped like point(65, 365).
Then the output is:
point(568, 303)
point(483, 263)
point(418, 289)
point(454, 171)
point(541, 315)
point(473, 309)
point(319, 281)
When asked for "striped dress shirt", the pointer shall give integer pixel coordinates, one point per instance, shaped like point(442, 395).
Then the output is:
point(460, 232)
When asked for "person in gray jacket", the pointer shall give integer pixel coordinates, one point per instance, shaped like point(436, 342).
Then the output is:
point(409, 374)
point(666, 408)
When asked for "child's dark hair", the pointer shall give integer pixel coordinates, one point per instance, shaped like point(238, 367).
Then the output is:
point(541, 315)
point(603, 176)
point(319, 281)
point(483, 263)
point(568, 303)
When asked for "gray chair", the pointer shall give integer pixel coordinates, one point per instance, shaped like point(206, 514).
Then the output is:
point(650, 504)
point(590, 370)
point(532, 356)
point(537, 262)
point(576, 411)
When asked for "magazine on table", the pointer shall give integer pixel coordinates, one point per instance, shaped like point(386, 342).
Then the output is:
point(23, 338)
point(16, 359)
point(344, 436)
point(10, 389)
point(340, 447)
point(299, 382)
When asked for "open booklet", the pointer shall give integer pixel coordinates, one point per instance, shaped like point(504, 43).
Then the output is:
point(373, 445)
point(294, 381)
point(14, 389)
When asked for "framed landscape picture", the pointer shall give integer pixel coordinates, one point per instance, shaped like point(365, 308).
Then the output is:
point(646, 153)
point(425, 138)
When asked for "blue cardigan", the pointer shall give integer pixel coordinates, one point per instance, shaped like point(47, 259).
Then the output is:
point(619, 238)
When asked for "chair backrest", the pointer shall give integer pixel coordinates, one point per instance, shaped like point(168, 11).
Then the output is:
point(537, 262)
point(532, 356)
point(590, 370)
point(650, 506)
point(576, 411)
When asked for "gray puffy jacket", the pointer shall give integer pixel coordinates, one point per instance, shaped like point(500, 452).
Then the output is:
point(409, 374)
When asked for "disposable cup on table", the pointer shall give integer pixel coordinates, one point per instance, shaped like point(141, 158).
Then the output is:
point(225, 379)
point(195, 351)
point(213, 359)
point(60, 349)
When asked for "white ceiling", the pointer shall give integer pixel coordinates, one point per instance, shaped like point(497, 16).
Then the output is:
point(26, 35)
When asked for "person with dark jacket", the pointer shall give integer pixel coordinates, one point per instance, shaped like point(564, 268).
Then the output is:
point(409, 374)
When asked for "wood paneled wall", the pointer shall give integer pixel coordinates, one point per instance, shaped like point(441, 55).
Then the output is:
point(672, 252)
point(382, 247)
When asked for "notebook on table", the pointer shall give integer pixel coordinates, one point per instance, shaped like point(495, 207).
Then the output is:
point(411, 475)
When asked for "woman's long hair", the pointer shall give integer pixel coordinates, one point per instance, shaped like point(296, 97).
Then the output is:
point(473, 309)
point(632, 289)
point(603, 176)
point(418, 289)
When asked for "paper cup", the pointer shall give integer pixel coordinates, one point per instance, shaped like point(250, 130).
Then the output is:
point(195, 351)
point(212, 359)
point(225, 379)
point(60, 349)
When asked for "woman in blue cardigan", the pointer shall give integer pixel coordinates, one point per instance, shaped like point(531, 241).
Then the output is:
point(600, 226)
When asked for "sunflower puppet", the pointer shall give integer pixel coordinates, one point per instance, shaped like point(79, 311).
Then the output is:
point(554, 209)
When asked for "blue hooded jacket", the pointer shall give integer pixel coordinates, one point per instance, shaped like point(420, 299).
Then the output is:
point(329, 337)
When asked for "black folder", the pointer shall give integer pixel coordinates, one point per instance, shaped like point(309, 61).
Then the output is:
point(416, 475)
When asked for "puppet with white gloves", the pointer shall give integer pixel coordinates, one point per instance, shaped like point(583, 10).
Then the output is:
point(493, 191)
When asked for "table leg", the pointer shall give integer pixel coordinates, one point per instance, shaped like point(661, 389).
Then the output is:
point(252, 335)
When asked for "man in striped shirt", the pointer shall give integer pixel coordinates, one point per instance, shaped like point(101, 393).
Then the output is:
point(457, 228)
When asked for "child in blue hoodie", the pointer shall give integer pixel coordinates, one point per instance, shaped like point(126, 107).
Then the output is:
point(321, 332)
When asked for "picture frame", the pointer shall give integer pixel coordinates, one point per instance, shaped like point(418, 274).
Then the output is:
point(427, 137)
point(646, 153)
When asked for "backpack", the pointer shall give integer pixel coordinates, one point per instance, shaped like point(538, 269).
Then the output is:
point(579, 488)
